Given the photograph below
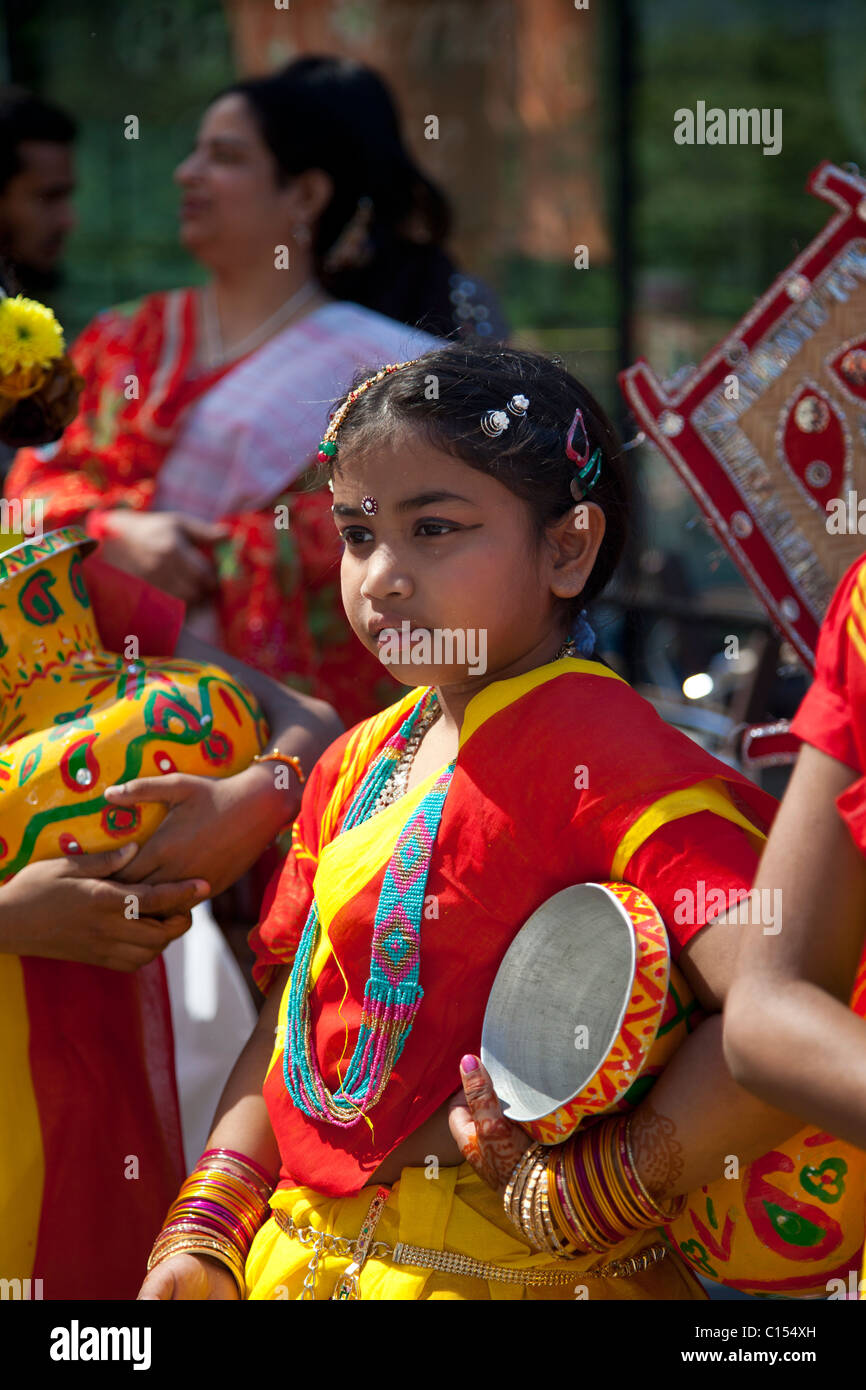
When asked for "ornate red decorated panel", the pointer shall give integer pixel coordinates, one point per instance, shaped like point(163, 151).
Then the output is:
point(769, 432)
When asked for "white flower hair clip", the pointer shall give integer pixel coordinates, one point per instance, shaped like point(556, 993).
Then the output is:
point(496, 422)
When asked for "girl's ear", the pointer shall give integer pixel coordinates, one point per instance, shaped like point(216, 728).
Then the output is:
point(573, 543)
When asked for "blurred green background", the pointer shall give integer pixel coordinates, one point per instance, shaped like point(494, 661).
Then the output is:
point(161, 61)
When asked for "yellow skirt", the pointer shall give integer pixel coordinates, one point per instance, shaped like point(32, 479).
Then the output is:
point(455, 1212)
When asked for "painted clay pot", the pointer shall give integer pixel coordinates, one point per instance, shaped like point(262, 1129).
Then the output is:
point(789, 1223)
point(585, 1012)
point(75, 719)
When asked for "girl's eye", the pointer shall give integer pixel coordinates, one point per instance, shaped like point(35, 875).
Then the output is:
point(360, 535)
point(355, 535)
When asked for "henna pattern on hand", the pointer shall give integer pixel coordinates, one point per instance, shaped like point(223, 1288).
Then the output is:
point(496, 1142)
point(472, 1154)
point(501, 1143)
point(657, 1152)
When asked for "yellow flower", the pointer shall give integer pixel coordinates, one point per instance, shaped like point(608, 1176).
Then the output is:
point(30, 335)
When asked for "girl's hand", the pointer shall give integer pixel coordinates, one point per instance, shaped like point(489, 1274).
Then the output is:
point(486, 1139)
point(215, 827)
point(190, 1277)
point(74, 909)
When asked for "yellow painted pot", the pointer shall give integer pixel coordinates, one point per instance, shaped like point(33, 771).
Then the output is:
point(75, 719)
point(789, 1222)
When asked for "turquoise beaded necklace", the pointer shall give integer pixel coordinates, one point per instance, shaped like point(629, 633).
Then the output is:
point(393, 991)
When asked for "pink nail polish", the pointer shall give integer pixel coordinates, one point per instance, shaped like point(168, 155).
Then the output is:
point(469, 1063)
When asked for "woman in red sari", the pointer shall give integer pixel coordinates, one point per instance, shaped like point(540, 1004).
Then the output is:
point(202, 409)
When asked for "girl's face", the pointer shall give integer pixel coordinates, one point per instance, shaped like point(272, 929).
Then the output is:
point(232, 205)
point(446, 583)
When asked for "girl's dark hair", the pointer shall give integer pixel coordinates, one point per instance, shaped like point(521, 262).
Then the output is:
point(337, 115)
point(443, 396)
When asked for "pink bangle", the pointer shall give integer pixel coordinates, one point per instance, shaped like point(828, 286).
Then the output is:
point(239, 1158)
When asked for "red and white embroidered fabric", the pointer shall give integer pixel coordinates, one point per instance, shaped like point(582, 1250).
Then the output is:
point(769, 432)
point(257, 430)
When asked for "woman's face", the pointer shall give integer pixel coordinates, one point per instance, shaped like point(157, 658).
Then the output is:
point(450, 550)
point(232, 205)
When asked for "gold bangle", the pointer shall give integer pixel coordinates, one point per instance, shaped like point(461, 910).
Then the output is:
point(658, 1215)
point(527, 1207)
point(199, 1245)
point(627, 1191)
point(514, 1189)
point(253, 1183)
point(535, 1219)
point(565, 1234)
point(275, 756)
point(576, 1203)
point(608, 1206)
point(572, 1223)
point(557, 1247)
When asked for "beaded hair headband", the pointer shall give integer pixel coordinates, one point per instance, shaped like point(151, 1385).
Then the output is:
point(328, 445)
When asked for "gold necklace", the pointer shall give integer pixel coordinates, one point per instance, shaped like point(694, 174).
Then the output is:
point(215, 353)
point(395, 787)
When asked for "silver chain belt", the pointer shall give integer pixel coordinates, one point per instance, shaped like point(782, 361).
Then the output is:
point(444, 1261)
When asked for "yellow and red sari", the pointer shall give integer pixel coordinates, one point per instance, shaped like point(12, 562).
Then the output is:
point(563, 775)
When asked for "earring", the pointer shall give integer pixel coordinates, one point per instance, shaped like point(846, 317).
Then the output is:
point(301, 234)
point(494, 423)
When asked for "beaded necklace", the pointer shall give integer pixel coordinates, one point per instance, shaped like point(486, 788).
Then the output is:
point(393, 992)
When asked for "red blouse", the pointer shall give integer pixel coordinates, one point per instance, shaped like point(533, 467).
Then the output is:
point(832, 716)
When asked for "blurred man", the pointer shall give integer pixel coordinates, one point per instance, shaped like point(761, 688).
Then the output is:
point(37, 181)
